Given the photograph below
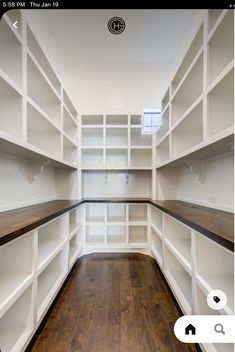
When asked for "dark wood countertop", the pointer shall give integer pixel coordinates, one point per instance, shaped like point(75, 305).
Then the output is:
point(215, 224)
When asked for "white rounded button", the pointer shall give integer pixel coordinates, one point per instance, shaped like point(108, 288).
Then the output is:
point(216, 299)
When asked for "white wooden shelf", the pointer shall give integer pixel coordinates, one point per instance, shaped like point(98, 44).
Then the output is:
point(141, 158)
point(187, 94)
point(10, 110)
point(179, 280)
point(116, 212)
point(69, 105)
point(221, 105)
point(38, 126)
point(70, 153)
point(91, 120)
point(221, 46)
point(213, 16)
point(92, 158)
point(75, 220)
point(137, 212)
point(137, 234)
point(116, 137)
point(92, 137)
point(188, 59)
point(163, 151)
point(215, 268)
point(95, 212)
point(16, 325)
point(165, 99)
point(116, 119)
point(95, 234)
point(157, 218)
point(49, 281)
point(41, 92)
point(135, 120)
point(69, 126)
point(116, 158)
point(156, 247)
point(75, 247)
point(11, 53)
point(37, 52)
point(15, 274)
point(116, 234)
point(165, 125)
point(139, 139)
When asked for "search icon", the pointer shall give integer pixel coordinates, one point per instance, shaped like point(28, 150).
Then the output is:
point(219, 328)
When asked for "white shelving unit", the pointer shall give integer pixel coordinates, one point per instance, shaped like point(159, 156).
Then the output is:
point(35, 131)
point(156, 247)
point(115, 142)
point(116, 225)
point(199, 94)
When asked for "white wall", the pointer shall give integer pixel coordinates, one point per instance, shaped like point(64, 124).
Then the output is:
point(216, 192)
point(117, 87)
point(16, 191)
point(138, 186)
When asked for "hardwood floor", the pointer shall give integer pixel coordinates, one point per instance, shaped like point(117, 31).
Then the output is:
point(112, 303)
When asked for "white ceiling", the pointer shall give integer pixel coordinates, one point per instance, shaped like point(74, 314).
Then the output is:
point(151, 36)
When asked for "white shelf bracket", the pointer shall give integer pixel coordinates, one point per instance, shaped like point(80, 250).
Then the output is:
point(127, 178)
point(36, 168)
point(198, 168)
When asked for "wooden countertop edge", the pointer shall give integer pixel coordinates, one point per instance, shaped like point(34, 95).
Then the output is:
point(30, 227)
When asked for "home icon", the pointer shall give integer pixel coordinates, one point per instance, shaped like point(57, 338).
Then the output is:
point(190, 330)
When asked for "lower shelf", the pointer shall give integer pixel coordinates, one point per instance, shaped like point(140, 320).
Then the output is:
point(16, 324)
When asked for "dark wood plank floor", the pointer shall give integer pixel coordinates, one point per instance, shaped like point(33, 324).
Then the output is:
point(113, 303)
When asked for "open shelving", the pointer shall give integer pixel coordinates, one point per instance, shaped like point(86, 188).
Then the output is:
point(156, 247)
point(185, 95)
point(16, 325)
point(188, 59)
point(137, 234)
point(135, 120)
point(137, 212)
point(91, 120)
point(141, 158)
point(180, 281)
point(140, 140)
point(10, 110)
point(16, 267)
point(157, 218)
point(95, 212)
point(221, 46)
point(75, 247)
point(178, 238)
point(221, 105)
point(69, 126)
point(116, 137)
point(75, 219)
point(116, 234)
point(41, 93)
point(117, 120)
point(49, 281)
point(37, 52)
point(92, 158)
point(11, 53)
point(42, 133)
point(188, 132)
point(116, 158)
point(165, 124)
point(213, 16)
point(163, 151)
point(70, 152)
point(69, 105)
point(166, 99)
point(92, 137)
point(116, 212)
point(50, 238)
point(215, 268)
point(95, 234)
